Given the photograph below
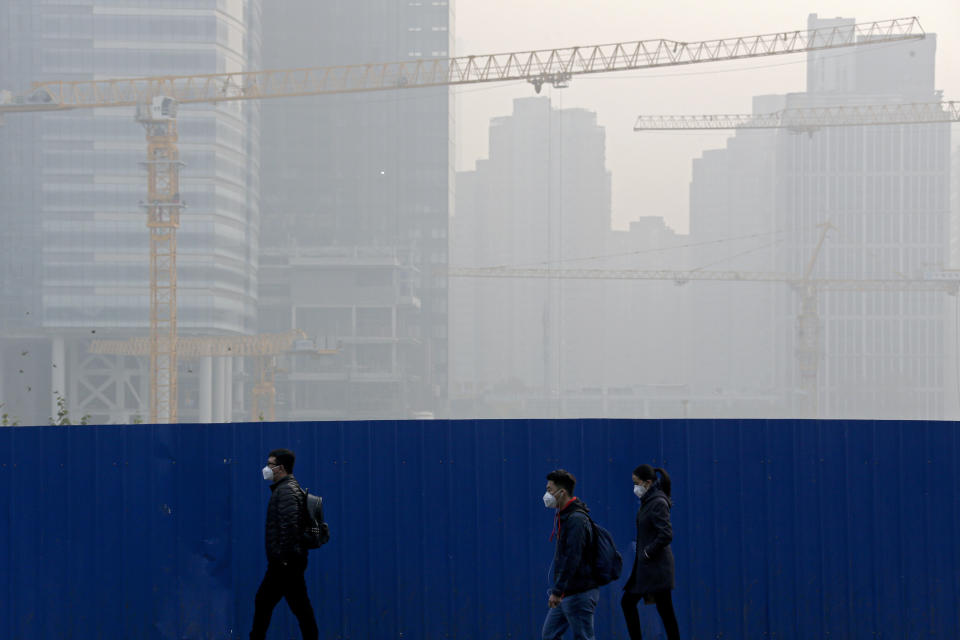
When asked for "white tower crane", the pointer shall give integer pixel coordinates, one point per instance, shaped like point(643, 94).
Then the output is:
point(809, 119)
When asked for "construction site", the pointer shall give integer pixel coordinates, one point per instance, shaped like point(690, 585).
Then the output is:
point(696, 265)
point(216, 216)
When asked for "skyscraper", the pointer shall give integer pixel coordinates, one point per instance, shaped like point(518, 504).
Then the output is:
point(75, 248)
point(355, 213)
point(730, 336)
point(885, 192)
point(540, 199)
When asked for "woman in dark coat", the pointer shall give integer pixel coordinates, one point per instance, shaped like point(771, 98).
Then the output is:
point(652, 578)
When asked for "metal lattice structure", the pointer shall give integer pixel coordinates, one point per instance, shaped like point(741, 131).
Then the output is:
point(264, 393)
point(112, 389)
point(264, 347)
point(537, 67)
point(200, 347)
point(810, 118)
point(942, 284)
point(163, 207)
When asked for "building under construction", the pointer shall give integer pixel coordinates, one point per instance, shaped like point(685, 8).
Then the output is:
point(75, 248)
point(355, 215)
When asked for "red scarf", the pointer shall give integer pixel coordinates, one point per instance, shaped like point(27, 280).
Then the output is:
point(556, 519)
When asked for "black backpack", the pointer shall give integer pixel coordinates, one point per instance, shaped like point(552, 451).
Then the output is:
point(316, 532)
point(607, 561)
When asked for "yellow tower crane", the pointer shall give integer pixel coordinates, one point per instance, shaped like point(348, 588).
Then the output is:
point(264, 347)
point(156, 99)
point(163, 205)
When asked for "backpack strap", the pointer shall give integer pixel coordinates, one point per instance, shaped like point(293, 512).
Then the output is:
point(305, 510)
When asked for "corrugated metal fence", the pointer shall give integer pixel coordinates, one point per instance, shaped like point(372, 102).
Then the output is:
point(783, 529)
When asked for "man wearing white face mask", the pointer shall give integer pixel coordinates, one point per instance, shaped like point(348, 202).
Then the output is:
point(286, 556)
point(573, 595)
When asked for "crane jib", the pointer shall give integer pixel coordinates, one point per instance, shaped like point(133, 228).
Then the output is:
point(537, 67)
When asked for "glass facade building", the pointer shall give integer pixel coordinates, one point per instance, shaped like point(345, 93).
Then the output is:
point(885, 192)
point(75, 250)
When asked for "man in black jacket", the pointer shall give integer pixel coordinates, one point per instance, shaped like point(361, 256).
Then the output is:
point(286, 557)
point(574, 593)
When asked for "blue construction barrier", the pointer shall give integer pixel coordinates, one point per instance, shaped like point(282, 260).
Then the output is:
point(783, 529)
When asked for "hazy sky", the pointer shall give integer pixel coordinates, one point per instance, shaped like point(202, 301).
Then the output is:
point(651, 171)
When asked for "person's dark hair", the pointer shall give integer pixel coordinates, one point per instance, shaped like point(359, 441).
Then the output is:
point(563, 479)
point(646, 472)
point(284, 457)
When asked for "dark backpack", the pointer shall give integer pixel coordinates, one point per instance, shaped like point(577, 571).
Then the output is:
point(316, 532)
point(607, 561)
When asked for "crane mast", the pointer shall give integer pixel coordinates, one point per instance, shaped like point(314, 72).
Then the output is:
point(163, 205)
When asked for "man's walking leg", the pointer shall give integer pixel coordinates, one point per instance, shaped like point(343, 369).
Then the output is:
point(578, 611)
point(299, 602)
point(268, 595)
point(554, 625)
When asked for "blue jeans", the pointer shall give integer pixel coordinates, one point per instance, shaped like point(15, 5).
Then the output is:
point(574, 612)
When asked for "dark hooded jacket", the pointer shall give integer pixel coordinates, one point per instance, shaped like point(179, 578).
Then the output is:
point(653, 569)
point(572, 559)
point(284, 523)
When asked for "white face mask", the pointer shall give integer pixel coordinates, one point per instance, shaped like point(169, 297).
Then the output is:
point(549, 501)
point(639, 490)
point(268, 474)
